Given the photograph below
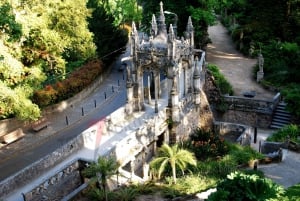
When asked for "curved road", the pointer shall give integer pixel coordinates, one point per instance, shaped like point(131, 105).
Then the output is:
point(18, 155)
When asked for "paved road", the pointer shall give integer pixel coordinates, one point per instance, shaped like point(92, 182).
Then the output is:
point(34, 146)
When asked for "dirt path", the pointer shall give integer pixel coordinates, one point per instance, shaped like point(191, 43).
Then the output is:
point(236, 68)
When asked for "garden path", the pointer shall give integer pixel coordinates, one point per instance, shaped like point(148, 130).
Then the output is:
point(238, 70)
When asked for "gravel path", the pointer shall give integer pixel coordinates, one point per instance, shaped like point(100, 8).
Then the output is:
point(236, 68)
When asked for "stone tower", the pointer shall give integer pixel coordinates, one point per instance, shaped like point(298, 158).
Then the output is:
point(164, 59)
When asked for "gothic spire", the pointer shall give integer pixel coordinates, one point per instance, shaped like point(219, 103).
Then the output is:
point(153, 26)
point(162, 25)
point(190, 32)
point(190, 26)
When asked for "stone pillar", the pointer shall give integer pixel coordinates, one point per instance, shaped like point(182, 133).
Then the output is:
point(132, 167)
point(260, 73)
point(129, 89)
point(197, 84)
point(149, 88)
point(140, 89)
point(145, 165)
point(259, 76)
point(173, 138)
point(174, 102)
point(156, 89)
point(155, 144)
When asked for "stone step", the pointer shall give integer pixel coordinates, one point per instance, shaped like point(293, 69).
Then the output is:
point(272, 126)
point(282, 114)
point(283, 111)
point(282, 103)
point(278, 121)
point(282, 118)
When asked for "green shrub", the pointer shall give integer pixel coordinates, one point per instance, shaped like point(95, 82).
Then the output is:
point(125, 194)
point(217, 168)
point(96, 194)
point(291, 95)
point(292, 193)
point(239, 186)
point(220, 80)
point(292, 131)
point(67, 88)
point(222, 106)
point(190, 184)
point(207, 144)
point(243, 154)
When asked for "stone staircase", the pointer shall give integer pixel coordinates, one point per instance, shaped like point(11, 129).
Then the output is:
point(281, 116)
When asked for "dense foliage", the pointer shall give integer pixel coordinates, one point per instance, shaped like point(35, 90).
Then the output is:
point(43, 42)
point(291, 132)
point(174, 157)
point(76, 81)
point(108, 39)
point(240, 186)
point(272, 30)
point(207, 144)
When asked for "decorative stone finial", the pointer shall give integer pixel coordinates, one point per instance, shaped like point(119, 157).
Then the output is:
point(162, 25)
point(133, 31)
point(171, 33)
point(153, 26)
point(190, 26)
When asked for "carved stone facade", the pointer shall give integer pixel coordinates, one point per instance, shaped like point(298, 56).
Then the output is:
point(163, 57)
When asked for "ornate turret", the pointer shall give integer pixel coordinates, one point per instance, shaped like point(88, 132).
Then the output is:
point(190, 32)
point(161, 21)
point(171, 43)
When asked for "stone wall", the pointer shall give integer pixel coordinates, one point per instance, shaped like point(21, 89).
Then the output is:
point(244, 132)
point(41, 166)
point(59, 185)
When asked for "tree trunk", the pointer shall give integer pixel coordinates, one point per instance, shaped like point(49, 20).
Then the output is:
point(174, 172)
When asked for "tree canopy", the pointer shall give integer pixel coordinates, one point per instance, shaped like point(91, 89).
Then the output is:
point(42, 41)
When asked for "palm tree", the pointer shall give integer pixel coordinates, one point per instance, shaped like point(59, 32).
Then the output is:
point(102, 171)
point(173, 156)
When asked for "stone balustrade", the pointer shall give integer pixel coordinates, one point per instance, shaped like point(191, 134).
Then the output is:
point(252, 105)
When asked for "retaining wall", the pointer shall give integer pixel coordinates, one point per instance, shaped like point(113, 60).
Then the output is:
point(41, 166)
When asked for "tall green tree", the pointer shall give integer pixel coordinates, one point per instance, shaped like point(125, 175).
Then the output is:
point(101, 171)
point(107, 37)
point(16, 81)
point(123, 11)
point(8, 24)
point(203, 15)
point(55, 33)
point(174, 157)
